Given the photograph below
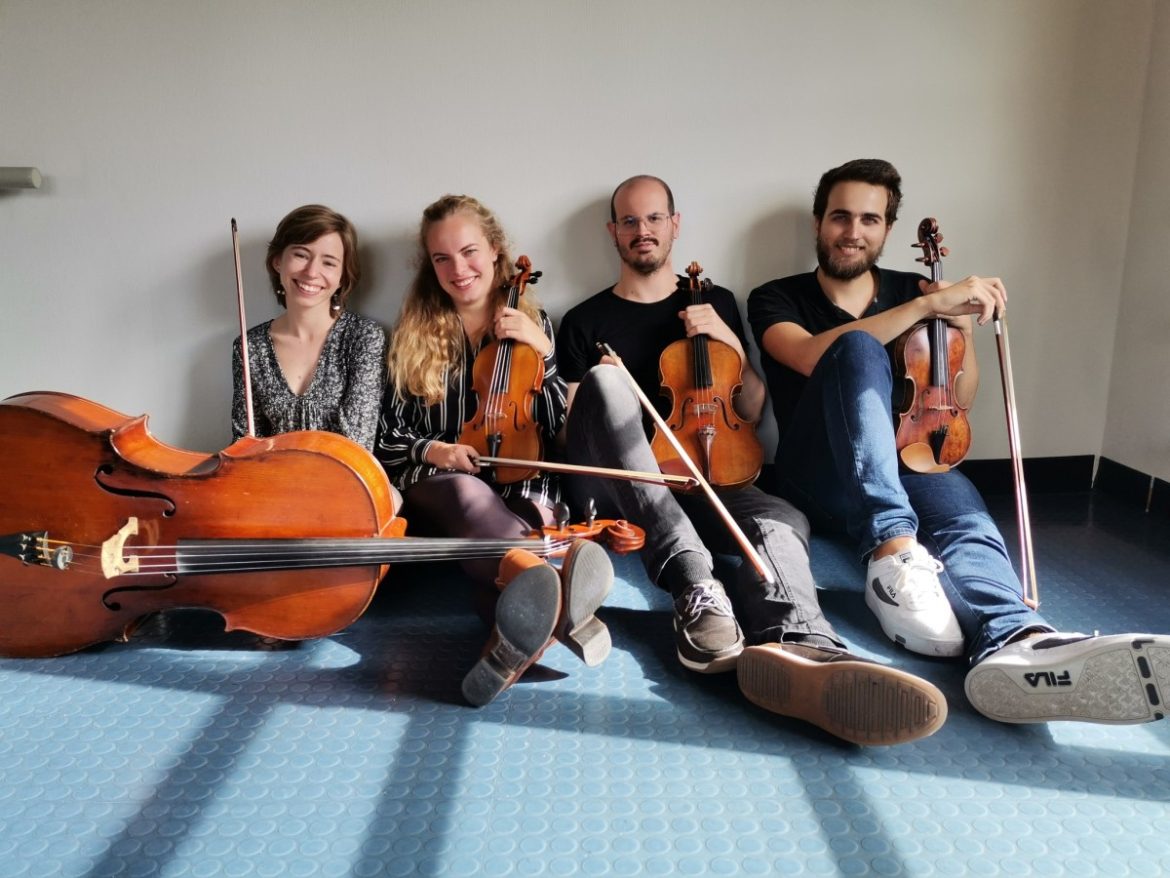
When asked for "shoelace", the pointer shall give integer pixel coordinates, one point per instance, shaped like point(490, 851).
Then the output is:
point(918, 591)
point(703, 598)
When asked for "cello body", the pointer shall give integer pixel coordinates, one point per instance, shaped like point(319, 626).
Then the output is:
point(77, 472)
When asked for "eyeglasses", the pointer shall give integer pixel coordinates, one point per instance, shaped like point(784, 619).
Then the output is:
point(655, 222)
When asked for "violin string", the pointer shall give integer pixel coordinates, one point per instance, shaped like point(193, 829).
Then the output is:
point(499, 385)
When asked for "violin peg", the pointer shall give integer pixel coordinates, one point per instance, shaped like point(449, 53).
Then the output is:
point(944, 251)
point(590, 512)
point(561, 512)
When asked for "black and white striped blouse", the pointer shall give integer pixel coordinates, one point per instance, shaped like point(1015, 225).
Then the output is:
point(409, 426)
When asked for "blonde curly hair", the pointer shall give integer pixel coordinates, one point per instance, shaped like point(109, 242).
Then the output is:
point(428, 337)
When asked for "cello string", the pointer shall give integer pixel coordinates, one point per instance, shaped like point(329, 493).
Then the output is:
point(185, 561)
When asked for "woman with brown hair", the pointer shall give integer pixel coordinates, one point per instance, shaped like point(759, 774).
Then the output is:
point(317, 366)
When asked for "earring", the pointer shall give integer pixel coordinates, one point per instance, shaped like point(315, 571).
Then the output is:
point(335, 303)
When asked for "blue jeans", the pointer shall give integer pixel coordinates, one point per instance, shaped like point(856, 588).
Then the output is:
point(605, 429)
point(837, 462)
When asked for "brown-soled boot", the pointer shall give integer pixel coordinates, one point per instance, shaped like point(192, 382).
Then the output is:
point(526, 616)
point(586, 580)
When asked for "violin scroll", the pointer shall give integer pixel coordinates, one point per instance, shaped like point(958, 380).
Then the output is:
point(929, 240)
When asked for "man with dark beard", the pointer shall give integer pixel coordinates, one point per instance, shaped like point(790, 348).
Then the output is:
point(822, 335)
point(796, 664)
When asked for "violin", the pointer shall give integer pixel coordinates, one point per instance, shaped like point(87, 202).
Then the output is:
point(933, 433)
point(101, 525)
point(506, 379)
point(701, 377)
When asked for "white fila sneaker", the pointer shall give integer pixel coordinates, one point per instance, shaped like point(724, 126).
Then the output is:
point(903, 591)
point(1119, 678)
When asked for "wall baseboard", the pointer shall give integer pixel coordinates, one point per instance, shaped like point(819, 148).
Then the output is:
point(1056, 475)
point(1044, 475)
point(1133, 486)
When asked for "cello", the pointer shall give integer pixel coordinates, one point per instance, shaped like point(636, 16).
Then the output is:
point(286, 536)
point(506, 379)
point(701, 377)
point(933, 433)
point(101, 525)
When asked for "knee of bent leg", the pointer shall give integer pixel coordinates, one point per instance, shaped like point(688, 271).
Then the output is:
point(606, 388)
point(856, 344)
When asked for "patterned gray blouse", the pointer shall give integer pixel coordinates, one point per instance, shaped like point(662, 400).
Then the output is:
point(345, 395)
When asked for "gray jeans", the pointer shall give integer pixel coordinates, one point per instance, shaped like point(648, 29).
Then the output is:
point(605, 429)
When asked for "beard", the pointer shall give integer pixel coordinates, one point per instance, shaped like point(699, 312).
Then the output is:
point(840, 269)
point(643, 263)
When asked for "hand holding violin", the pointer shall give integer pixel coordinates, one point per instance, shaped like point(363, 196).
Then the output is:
point(703, 319)
point(514, 325)
point(984, 296)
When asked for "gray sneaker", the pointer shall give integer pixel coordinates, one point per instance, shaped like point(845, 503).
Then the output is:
point(706, 634)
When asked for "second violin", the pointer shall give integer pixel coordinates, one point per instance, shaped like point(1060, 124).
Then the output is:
point(507, 378)
point(701, 377)
point(933, 433)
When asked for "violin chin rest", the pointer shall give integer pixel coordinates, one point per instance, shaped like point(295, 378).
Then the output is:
point(917, 456)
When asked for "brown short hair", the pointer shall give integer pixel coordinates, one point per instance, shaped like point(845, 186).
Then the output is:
point(876, 172)
point(304, 226)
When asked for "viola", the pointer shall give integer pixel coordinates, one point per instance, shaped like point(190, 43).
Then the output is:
point(101, 525)
point(701, 377)
point(933, 433)
point(506, 379)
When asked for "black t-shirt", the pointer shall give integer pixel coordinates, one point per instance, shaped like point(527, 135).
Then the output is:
point(638, 332)
point(799, 299)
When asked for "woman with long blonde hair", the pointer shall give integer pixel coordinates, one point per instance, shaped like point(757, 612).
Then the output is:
point(455, 307)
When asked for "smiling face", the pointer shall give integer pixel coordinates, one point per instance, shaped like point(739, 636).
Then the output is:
point(644, 229)
point(311, 273)
point(463, 259)
point(853, 231)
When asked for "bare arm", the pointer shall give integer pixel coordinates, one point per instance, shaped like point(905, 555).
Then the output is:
point(796, 348)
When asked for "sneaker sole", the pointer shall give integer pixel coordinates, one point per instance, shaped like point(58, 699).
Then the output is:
point(587, 574)
point(920, 645)
point(526, 615)
point(1121, 679)
point(858, 702)
point(719, 664)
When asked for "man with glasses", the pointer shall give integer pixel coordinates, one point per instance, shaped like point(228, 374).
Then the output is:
point(796, 664)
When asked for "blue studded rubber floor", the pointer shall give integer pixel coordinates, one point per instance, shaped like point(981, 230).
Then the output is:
point(189, 752)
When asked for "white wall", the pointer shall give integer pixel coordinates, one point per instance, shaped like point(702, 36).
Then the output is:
point(1138, 426)
point(1015, 123)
